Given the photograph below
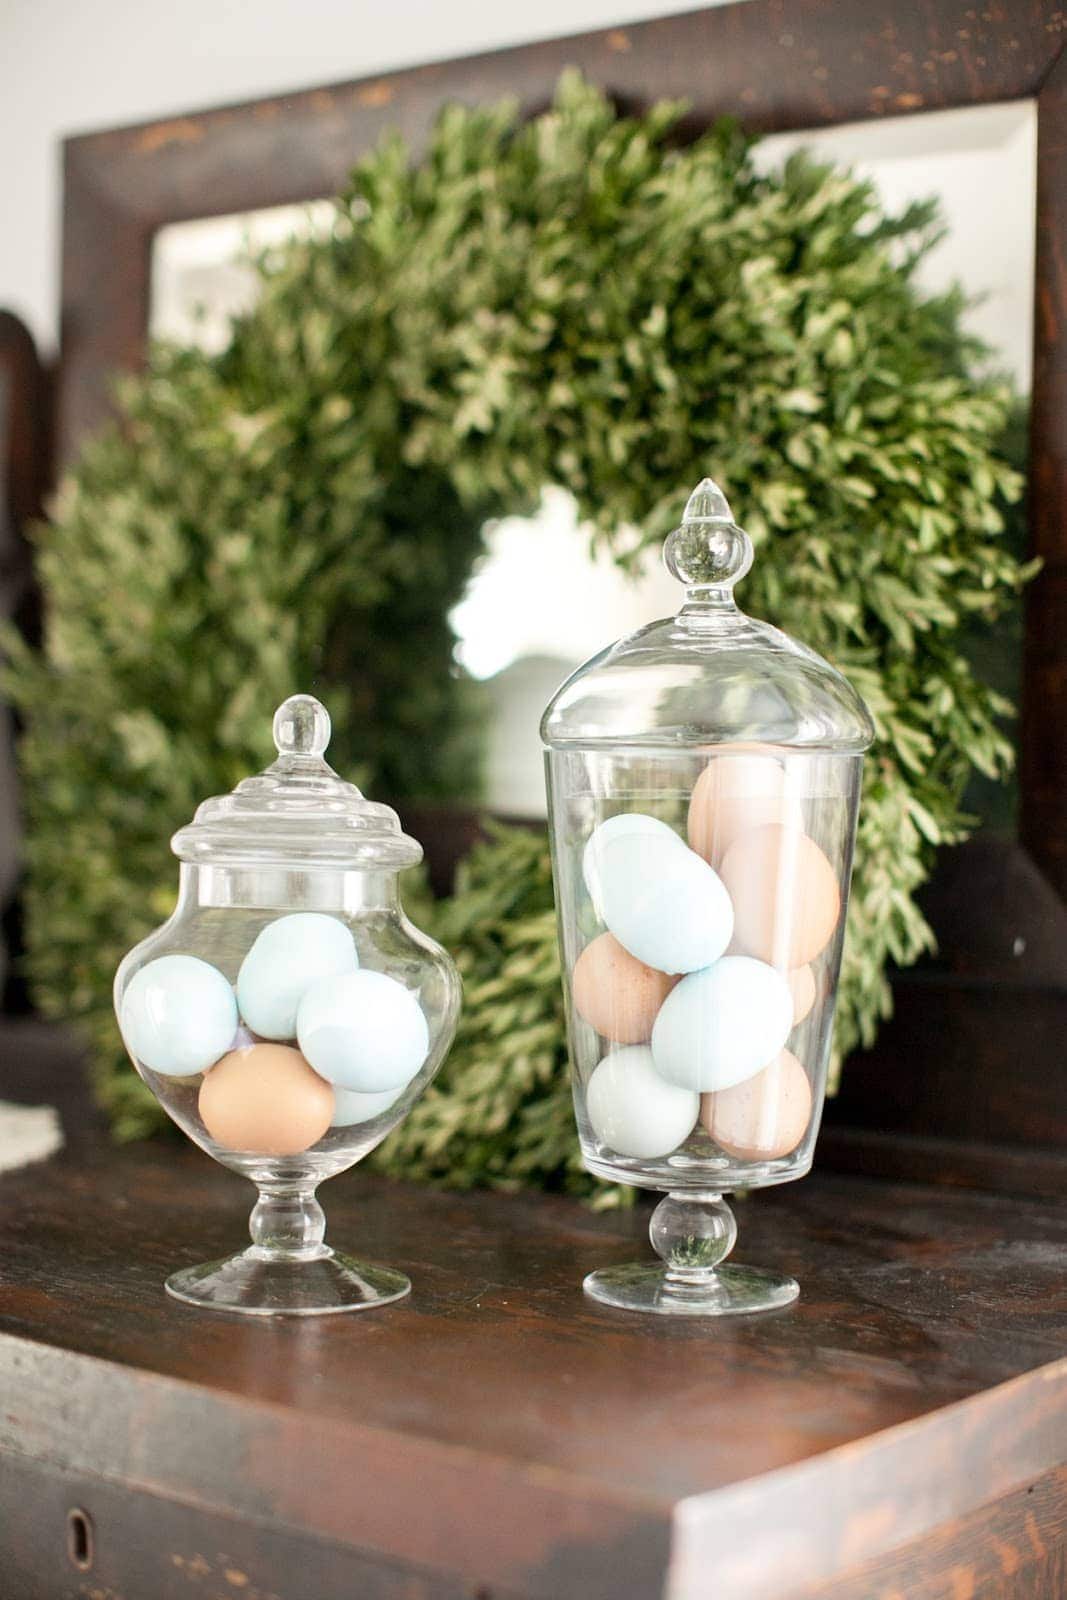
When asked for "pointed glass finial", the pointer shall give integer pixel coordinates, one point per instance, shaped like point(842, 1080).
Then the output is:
point(707, 503)
point(708, 552)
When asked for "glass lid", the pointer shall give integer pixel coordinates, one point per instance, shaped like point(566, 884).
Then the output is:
point(298, 812)
point(709, 675)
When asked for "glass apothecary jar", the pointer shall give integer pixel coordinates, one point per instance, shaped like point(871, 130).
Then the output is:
point(703, 779)
point(288, 1014)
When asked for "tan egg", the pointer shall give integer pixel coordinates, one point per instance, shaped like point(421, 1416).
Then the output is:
point(734, 793)
point(801, 983)
point(617, 994)
point(785, 895)
point(266, 1100)
point(766, 1116)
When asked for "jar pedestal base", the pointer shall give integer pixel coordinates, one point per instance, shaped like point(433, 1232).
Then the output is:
point(692, 1232)
point(725, 1291)
point(263, 1284)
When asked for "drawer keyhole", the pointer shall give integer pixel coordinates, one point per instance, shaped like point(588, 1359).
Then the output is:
point(80, 1539)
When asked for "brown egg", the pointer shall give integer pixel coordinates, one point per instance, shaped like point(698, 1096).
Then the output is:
point(266, 1100)
point(738, 790)
point(801, 983)
point(617, 994)
point(785, 895)
point(764, 1117)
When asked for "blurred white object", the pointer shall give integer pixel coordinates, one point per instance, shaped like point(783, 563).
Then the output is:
point(28, 1133)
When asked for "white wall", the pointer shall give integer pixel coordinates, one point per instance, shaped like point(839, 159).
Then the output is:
point(70, 66)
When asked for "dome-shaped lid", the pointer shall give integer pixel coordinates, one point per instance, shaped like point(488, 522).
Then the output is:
point(298, 813)
point(709, 675)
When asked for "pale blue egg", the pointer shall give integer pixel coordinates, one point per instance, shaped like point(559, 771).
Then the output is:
point(288, 956)
point(634, 1110)
point(723, 1025)
point(178, 1015)
point(351, 1107)
point(363, 1031)
point(664, 903)
point(627, 822)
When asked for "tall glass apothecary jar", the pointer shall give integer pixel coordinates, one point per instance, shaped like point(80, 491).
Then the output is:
point(288, 1014)
point(703, 779)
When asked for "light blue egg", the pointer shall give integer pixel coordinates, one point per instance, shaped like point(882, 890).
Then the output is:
point(178, 1015)
point(723, 1025)
point(664, 903)
point(632, 1108)
point(627, 822)
point(351, 1107)
point(289, 955)
point(363, 1031)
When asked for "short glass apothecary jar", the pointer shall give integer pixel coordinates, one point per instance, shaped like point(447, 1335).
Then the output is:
point(703, 779)
point(288, 1014)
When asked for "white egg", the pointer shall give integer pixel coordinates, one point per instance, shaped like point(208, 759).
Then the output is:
point(364, 1031)
point(627, 822)
point(288, 956)
point(351, 1107)
point(664, 903)
point(178, 1015)
point(633, 1111)
point(723, 1025)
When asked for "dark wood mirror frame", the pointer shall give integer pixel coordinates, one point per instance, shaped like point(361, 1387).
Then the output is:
point(968, 1084)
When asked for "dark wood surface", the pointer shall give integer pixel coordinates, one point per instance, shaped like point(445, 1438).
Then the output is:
point(1043, 821)
point(498, 1434)
point(25, 440)
point(966, 1083)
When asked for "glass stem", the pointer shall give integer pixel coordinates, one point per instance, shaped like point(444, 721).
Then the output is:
point(287, 1224)
point(692, 1232)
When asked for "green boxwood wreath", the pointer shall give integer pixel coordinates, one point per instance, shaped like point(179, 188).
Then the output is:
point(576, 300)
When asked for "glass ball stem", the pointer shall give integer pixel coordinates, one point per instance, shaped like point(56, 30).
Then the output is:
point(692, 1232)
point(287, 1225)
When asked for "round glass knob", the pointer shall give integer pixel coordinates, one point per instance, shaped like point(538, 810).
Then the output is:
point(301, 726)
point(708, 550)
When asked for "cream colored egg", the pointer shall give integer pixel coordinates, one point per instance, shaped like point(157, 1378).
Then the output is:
point(785, 895)
point(265, 1100)
point(615, 993)
point(801, 983)
point(736, 792)
point(763, 1118)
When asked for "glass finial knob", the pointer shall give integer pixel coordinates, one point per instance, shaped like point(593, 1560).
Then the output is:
point(301, 726)
point(708, 550)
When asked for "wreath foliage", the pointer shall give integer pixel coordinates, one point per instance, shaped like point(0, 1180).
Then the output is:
point(578, 300)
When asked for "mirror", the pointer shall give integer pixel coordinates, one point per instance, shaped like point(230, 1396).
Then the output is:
point(981, 164)
point(202, 275)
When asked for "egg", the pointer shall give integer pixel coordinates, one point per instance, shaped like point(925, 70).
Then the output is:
point(722, 1025)
point(364, 1031)
point(266, 1101)
point(801, 983)
point(734, 793)
point(617, 994)
point(633, 1111)
point(785, 895)
point(288, 956)
point(626, 822)
point(663, 902)
point(351, 1107)
point(766, 1116)
point(178, 1015)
